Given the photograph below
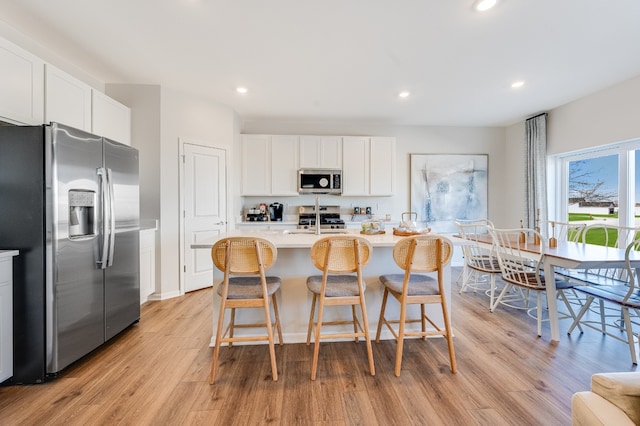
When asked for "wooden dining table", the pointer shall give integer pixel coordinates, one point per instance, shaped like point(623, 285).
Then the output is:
point(570, 255)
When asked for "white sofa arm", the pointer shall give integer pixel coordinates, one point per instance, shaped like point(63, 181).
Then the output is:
point(621, 389)
point(590, 409)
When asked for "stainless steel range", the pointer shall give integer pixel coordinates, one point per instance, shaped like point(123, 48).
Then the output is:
point(329, 217)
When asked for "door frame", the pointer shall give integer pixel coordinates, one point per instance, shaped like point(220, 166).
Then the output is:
point(181, 190)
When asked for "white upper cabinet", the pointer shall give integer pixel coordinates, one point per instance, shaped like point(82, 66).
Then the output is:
point(110, 118)
point(320, 152)
point(382, 166)
point(269, 165)
point(67, 100)
point(21, 85)
point(355, 172)
point(370, 168)
point(284, 165)
point(256, 170)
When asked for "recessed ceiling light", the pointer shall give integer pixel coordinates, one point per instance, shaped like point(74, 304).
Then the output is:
point(404, 94)
point(242, 90)
point(517, 84)
point(482, 5)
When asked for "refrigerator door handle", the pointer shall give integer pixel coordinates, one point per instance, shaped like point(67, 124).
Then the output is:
point(102, 172)
point(112, 217)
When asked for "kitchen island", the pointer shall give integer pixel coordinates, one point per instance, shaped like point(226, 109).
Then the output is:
point(294, 264)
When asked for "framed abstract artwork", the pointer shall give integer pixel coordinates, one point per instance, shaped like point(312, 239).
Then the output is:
point(446, 187)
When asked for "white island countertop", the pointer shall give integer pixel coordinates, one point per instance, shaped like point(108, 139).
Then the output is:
point(296, 239)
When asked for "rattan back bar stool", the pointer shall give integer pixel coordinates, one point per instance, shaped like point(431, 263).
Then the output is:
point(340, 258)
point(244, 261)
point(418, 255)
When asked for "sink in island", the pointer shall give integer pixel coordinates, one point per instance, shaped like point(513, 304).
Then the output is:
point(293, 265)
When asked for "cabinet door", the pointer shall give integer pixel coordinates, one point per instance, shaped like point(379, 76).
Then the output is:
point(256, 168)
point(382, 166)
point(331, 152)
point(324, 152)
point(284, 165)
point(355, 170)
point(309, 152)
point(6, 319)
point(67, 99)
point(21, 85)
point(110, 118)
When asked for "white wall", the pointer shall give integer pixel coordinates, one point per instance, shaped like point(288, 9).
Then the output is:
point(409, 140)
point(55, 58)
point(189, 117)
point(608, 116)
point(512, 210)
point(144, 101)
point(160, 118)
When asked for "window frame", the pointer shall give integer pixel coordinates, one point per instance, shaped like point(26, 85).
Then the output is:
point(558, 179)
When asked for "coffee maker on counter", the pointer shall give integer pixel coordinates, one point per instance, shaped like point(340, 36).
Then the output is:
point(275, 212)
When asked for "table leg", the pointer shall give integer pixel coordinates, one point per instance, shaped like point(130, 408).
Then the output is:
point(552, 305)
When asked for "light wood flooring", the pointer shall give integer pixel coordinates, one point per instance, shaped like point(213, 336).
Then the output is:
point(156, 373)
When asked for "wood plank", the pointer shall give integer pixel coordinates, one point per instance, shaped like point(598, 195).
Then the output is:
point(157, 373)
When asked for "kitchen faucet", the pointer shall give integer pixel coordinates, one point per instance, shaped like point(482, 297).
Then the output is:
point(317, 215)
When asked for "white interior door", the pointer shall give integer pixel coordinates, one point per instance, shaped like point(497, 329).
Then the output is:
point(204, 210)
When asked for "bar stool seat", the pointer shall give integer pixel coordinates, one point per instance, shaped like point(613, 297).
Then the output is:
point(337, 285)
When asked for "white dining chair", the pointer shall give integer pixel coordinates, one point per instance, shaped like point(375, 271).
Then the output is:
point(624, 296)
point(521, 267)
point(480, 261)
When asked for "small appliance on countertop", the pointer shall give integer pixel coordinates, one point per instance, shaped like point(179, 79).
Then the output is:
point(257, 215)
point(275, 212)
point(329, 217)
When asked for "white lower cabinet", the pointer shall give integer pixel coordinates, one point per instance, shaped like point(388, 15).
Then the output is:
point(147, 264)
point(6, 314)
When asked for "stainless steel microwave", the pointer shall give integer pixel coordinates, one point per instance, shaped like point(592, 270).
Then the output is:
point(320, 181)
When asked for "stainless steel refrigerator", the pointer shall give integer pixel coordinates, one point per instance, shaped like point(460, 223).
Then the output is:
point(69, 201)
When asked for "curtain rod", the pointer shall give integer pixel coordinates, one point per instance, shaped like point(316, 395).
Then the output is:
point(536, 116)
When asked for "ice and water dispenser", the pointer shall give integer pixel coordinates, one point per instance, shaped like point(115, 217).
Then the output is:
point(82, 220)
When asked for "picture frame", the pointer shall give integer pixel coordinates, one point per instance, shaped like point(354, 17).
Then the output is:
point(446, 187)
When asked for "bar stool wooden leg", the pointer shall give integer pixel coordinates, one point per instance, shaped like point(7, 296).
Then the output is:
point(216, 348)
point(449, 336)
point(355, 321)
point(382, 309)
point(313, 311)
point(367, 338)
point(277, 315)
point(232, 324)
point(400, 338)
point(423, 317)
point(316, 343)
point(272, 352)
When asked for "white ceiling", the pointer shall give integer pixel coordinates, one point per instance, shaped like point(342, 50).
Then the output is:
point(348, 59)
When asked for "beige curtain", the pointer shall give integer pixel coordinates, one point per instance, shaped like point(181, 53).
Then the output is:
point(535, 169)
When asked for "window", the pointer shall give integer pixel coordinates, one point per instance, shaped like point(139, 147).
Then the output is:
point(597, 185)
